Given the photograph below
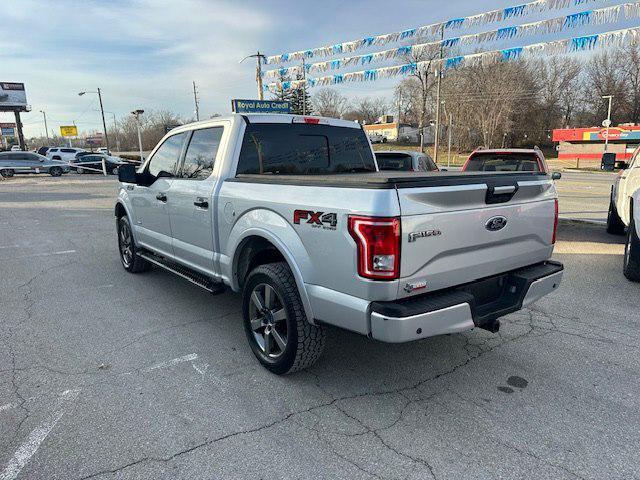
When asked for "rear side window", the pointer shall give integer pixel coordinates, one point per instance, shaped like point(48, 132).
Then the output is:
point(201, 153)
point(304, 149)
point(68, 150)
point(497, 162)
point(165, 160)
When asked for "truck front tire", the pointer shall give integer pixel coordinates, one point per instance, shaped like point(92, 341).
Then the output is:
point(279, 334)
point(631, 267)
point(614, 223)
point(129, 257)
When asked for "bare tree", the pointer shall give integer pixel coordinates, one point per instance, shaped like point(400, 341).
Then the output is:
point(367, 110)
point(424, 80)
point(327, 102)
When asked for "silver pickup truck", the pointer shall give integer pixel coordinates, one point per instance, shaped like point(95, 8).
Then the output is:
point(292, 212)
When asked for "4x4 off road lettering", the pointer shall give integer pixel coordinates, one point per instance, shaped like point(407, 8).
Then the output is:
point(327, 221)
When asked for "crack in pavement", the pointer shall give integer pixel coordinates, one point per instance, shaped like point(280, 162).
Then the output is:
point(208, 442)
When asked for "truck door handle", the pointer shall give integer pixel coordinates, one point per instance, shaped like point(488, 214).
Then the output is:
point(201, 203)
point(162, 197)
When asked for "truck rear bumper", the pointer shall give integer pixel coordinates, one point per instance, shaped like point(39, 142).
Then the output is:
point(477, 304)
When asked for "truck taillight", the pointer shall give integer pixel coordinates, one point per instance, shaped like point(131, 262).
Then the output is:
point(555, 222)
point(378, 241)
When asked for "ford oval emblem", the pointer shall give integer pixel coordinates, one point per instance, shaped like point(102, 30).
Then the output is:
point(495, 223)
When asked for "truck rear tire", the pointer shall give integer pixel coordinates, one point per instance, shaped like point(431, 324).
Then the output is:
point(129, 257)
point(614, 224)
point(279, 334)
point(631, 267)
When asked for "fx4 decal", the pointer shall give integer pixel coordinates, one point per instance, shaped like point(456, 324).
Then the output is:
point(327, 221)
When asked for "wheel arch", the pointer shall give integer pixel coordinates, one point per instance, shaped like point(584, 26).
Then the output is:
point(257, 246)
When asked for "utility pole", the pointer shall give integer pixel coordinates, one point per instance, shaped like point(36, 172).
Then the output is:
point(607, 122)
point(436, 137)
point(46, 129)
point(450, 134)
point(259, 57)
point(304, 87)
point(195, 99)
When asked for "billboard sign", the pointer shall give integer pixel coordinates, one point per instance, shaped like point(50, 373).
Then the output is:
point(12, 96)
point(7, 129)
point(95, 140)
point(69, 131)
point(260, 106)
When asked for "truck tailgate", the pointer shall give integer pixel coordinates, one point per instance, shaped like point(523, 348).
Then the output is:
point(464, 228)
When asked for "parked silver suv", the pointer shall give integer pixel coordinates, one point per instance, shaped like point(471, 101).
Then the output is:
point(12, 163)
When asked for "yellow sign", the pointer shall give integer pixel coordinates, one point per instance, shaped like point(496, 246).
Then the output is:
point(69, 131)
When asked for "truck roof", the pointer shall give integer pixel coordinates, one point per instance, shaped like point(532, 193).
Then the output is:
point(271, 118)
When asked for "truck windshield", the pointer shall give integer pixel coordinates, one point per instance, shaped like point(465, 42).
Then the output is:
point(304, 149)
point(503, 162)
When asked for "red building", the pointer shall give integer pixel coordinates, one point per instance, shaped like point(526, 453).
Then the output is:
point(587, 144)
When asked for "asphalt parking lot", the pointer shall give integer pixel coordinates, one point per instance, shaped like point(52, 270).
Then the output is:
point(104, 374)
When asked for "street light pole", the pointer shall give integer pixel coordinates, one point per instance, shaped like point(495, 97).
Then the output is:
point(608, 122)
point(46, 129)
point(259, 57)
point(104, 123)
point(137, 113)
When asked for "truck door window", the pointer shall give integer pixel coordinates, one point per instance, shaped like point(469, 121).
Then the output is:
point(165, 161)
point(201, 153)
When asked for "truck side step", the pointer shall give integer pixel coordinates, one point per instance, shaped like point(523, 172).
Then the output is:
point(197, 278)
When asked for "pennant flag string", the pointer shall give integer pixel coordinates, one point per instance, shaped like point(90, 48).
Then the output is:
point(588, 42)
point(554, 25)
point(433, 29)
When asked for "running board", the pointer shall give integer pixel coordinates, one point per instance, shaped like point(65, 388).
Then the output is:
point(199, 279)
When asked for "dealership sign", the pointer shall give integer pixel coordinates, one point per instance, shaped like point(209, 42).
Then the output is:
point(260, 106)
point(12, 96)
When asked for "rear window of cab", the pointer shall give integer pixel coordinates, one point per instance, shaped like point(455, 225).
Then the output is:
point(304, 149)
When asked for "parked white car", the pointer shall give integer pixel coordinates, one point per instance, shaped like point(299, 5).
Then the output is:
point(377, 138)
point(16, 148)
point(63, 153)
point(631, 266)
point(626, 183)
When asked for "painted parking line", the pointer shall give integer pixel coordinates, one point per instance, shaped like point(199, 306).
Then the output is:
point(30, 446)
point(8, 406)
point(43, 254)
point(169, 363)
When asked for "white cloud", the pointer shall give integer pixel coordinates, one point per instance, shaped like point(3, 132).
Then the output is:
point(142, 54)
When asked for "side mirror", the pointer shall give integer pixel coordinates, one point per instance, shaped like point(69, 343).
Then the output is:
point(444, 169)
point(556, 176)
point(127, 173)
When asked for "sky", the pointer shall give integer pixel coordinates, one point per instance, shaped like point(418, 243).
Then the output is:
point(146, 54)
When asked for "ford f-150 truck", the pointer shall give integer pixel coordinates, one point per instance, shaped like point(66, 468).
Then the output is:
point(292, 212)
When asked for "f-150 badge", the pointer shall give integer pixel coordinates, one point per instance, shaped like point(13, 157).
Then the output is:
point(328, 221)
point(413, 236)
